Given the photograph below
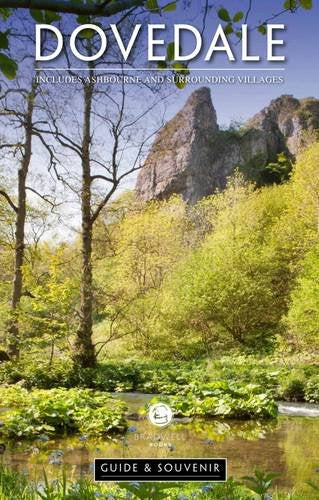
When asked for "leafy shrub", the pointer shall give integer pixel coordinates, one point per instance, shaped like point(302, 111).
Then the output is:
point(152, 377)
point(311, 370)
point(312, 390)
point(56, 411)
point(223, 399)
point(247, 369)
point(294, 390)
point(36, 374)
point(170, 378)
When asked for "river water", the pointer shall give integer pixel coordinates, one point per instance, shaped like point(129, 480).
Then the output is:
point(288, 445)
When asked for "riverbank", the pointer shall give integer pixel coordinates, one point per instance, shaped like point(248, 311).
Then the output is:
point(288, 379)
point(276, 445)
point(226, 407)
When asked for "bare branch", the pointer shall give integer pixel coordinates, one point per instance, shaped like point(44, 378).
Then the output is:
point(9, 200)
point(44, 197)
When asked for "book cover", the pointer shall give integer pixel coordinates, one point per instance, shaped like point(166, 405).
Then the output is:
point(159, 263)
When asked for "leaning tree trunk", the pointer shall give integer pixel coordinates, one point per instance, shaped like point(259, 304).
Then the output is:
point(13, 329)
point(84, 351)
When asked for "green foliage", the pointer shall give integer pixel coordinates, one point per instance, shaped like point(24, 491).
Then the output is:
point(4, 42)
point(169, 7)
point(229, 286)
point(179, 69)
point(262, 29)
point(293, 390)
point(312, 390)
point(305, 189)
point(57, 411)
point(223, 14)
point(261, 173)
point(238, 16)
point(153, 6)
point(270, 375)
point(303, 315)
point(44, 16)
point(294, 4)
point(238, 271)
point(48, 316)
point(145, 491)
point(47, 310)
point(291, 381)
point(290, 4)
point(306, 4)
point(314, 486)
point(170, 51)
point(144, 248)
point(8, 66)
point(36, 374)
point(261, 482)
point(16, 485)
point(5, 13)
point(278, 171)
point(148, 377)
point(223, 399)
point(13, 484)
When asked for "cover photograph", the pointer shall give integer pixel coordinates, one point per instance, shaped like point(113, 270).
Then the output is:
point(159, 249)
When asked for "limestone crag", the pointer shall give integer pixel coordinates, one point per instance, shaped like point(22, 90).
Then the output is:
point(288, 123)
point(192, 157)
point(180, 158)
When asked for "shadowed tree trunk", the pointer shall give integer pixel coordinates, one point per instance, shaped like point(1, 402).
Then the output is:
point(84, 352)
point(17, 288)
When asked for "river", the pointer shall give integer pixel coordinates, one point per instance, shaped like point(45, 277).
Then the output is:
point(288, 445)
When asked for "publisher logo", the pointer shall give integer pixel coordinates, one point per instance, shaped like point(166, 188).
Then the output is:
point(160, 414)
point(156, 469)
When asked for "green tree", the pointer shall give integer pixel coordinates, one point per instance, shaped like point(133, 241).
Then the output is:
point(147, 243)
point(49, 308)
point(303, 315)
point(305, 186)
point(301, 228)
point(231, 285)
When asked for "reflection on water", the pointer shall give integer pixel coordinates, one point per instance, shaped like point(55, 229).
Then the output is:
point(289, 445)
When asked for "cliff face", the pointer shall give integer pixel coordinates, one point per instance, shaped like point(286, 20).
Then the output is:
point(180, 159)
point(288, 123)
point(193, 158)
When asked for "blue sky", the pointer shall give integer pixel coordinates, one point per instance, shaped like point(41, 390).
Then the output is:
point(236, 102)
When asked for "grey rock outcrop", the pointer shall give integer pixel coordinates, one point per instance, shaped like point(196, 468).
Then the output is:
point(192, 157)
point(288, 123)
point(180, 159)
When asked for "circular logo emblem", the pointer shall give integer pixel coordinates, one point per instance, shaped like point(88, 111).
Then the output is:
point(160, 414)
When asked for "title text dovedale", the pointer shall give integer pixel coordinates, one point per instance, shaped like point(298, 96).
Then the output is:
point(156, 44)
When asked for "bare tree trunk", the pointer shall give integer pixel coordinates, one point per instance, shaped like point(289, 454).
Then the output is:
point(84, 351)
point(13, 328)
